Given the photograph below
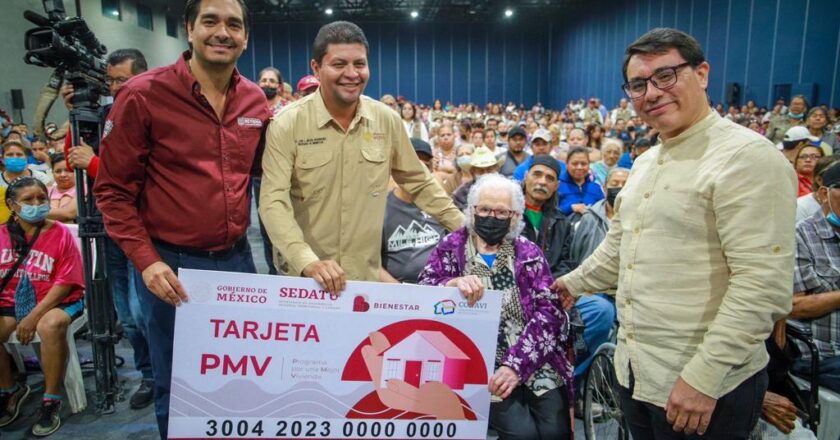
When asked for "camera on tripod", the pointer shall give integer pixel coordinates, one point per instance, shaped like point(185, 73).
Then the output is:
point(68, 45)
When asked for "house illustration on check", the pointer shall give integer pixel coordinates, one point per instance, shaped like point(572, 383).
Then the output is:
point(425, 356)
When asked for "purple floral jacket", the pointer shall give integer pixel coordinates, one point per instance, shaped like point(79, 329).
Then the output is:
point(546, 335)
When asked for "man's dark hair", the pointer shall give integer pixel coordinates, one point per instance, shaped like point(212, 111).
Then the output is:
point(191, 8)
point(661, 40)
point(337, 32)
point(642, 142)
point(138, 61)
point(276, 72)
point(823, 164)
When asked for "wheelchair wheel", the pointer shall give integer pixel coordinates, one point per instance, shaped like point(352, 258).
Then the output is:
point(602, 416)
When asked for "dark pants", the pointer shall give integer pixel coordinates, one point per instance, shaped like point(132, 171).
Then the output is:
point(127, 304)
point(734, 417)
point(160, 316)
point(267, 248)
point(829, 371)
point(526, 416)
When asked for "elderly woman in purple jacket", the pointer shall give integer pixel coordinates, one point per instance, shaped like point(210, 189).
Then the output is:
point(532, 384)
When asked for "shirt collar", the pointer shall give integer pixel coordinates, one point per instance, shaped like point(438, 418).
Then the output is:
point(182, 69)
point(711, 118)
point(324, 117)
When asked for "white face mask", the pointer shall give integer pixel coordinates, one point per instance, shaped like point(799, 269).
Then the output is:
point(109, 100)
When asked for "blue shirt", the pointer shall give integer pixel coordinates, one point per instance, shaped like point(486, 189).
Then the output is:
point(625, 161)
point(522, 169)
point(569, 193)
point(489, 259)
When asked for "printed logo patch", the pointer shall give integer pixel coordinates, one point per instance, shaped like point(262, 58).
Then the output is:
point(249, 122)
point(109, 125)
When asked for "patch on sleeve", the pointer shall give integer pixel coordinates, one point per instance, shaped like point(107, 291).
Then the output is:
point(109, 125)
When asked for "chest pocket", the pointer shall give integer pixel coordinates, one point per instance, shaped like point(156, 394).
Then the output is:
point(375, 168)
point(829, 276)
point(248, 138)
point(312, 174)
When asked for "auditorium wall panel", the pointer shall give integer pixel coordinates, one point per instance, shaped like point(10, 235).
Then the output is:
point(756, 43)
point(458, 62)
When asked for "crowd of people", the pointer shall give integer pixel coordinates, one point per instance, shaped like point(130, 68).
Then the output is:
point(665, 215)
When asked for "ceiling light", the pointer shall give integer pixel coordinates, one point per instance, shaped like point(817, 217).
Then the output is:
point(328, 11)
point(414, 14)
point(508, 13)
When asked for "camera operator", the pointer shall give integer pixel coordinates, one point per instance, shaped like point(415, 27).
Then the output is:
point(123, 64)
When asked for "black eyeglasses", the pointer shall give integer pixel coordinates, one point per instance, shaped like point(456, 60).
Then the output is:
point(663, 78)
point(501, 213)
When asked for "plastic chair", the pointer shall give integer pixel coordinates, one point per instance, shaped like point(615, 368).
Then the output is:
point(74, 385)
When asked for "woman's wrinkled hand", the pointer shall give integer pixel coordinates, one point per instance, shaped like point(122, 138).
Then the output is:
point(470, 286)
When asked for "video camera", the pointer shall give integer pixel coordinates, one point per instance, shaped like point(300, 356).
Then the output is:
point(68, 45)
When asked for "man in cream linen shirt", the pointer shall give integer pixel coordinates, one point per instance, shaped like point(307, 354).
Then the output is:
point(701, 251)
point(326, 168)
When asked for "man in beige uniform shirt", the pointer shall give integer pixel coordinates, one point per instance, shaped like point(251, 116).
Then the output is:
point(701, 250)
point(326, 168)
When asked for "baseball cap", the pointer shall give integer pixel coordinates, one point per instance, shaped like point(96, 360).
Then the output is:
point(797, 134)
point(421, 146)
point(541, 134)
point(516, 131)
point(308, 82)
point(547, 161)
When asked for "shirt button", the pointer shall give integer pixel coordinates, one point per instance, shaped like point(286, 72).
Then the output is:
point(661, 161)
point(630, 266)
point(667, 187)
point(777, 249)
point(636, 230)
point(647, 195)
point(630, 336)
point(629, 301)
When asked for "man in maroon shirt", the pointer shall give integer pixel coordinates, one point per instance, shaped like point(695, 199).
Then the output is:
point(178, 150)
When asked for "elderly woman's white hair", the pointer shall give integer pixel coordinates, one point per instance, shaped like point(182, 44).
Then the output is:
point(612, 142)
point(497, 182)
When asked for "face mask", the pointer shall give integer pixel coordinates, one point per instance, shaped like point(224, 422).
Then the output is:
point(832, 218)
point(491, 229)
point(793, 115)
point(109, 100)
point(34, 213)
point(270, 92)
point(462, 161)
point(612, 193)
point(15, 164)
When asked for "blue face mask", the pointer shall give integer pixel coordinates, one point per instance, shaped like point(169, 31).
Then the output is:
point(15, 164)
point(34, 213)
point(832, 218)
point(793, 115)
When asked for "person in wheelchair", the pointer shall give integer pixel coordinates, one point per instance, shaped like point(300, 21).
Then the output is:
point(816, 281)
point(42, 289)
point(597, 311)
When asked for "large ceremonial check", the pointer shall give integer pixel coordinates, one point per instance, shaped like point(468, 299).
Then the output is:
point(260, 356)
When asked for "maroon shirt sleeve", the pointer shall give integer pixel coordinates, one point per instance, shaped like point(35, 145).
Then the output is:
point(124, 149)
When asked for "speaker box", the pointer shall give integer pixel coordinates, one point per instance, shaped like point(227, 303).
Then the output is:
point(17, 99)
